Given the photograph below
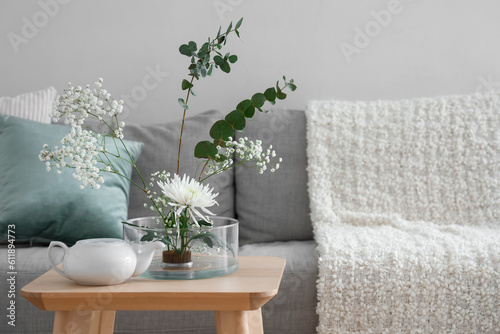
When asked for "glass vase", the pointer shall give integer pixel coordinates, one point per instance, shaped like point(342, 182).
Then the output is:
point(194, 253)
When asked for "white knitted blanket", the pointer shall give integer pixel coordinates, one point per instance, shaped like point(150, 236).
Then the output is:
point(405, 204)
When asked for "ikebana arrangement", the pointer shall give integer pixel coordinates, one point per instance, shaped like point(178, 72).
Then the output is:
point(180, 201)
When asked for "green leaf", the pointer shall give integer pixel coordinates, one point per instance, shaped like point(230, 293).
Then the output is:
point(237, 119)
point(185, 50)
point(192, 92)
point(229, 28)
point(186, 84)
point(218, 33)
point(237, 33)
point(291, 86)
point(207, 240)
point(183, 103)
point(270, 94)
point(221, 39)
point(210, 69)
point(280, 95)
point(192, 46)
point(233, 59)
point(225, 67)
point(203, 223)
point(203, 50)
point(222, 130)
point(221, 158)
point(188, 49)
point(247, 107)
point(184, 220)
point(239, 23)
point(167, 241)
point(205, 149)
point(218, 60)
point(258, 100)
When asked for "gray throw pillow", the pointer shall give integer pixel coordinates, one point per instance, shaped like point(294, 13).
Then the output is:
point(275, 206)
point(161, 144)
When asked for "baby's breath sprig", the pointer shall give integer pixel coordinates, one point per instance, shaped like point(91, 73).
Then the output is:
point(248, 153)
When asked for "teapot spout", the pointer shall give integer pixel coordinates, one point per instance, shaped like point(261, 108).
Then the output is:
point(144, 253)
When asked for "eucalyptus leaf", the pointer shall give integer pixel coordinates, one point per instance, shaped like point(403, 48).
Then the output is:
point(225, 67)
point(218, 60)
point(237, 119)
point(186, 85)
point(238, 24)
point(185, 50)
point(247, 107)
point(233, 59)
point(192, 46)
point(205, 149)
point(229, 28)
point(280, 95)
point(258, 100)
point(221, 130)
point(183, 103)
point(270, 94)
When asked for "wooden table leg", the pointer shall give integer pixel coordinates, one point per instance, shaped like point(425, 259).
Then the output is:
point(241, 322)
point(84, 322)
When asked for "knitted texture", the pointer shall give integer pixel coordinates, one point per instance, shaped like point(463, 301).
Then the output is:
point(405, 205)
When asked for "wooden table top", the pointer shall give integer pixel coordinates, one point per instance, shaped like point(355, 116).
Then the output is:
point(256, 281)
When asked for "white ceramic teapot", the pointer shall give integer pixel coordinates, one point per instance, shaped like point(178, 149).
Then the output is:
point(104, 261)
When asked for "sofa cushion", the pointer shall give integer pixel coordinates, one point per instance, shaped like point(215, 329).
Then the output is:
point(293, 309)
point(35, 106)
point(47, 206)
point(161, 144)
point(275, 206)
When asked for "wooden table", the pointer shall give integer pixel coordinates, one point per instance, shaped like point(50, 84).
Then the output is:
point(236, 299)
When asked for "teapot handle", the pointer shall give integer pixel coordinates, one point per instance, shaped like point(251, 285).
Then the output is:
point(52, 264)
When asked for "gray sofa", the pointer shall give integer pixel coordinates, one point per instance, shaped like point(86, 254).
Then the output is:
point(273, 210)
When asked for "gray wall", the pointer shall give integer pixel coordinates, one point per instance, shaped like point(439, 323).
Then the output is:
point(356, 50)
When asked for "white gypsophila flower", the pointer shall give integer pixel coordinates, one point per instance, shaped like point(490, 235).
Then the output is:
point(247, 152)
point(187, 193)
point(80, 148)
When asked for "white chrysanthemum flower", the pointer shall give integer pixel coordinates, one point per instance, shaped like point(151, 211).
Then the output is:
point(187, 193)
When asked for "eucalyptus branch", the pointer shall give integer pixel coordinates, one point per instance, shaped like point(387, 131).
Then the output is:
point(202, 65)
point(182, 125)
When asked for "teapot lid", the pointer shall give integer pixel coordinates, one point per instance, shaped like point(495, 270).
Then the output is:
point(101, 241)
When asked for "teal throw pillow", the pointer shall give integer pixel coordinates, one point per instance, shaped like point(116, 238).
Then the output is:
point(42, 206)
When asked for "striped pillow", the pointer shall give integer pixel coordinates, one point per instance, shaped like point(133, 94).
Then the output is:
point(35, 106)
